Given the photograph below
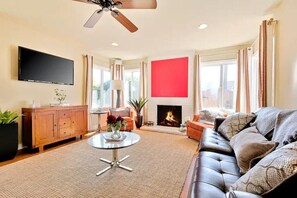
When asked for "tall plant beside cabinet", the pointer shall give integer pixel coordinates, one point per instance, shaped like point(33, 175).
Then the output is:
point(137, 105)
point(8, 135)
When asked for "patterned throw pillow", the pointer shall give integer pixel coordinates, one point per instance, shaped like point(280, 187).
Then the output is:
point(250, 145)
point(269, 172)
point(285, 130)
point(234, 123)
point(265, 121)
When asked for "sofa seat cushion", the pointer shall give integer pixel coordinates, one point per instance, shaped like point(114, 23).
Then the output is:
point(215, 142)
point(214, 174)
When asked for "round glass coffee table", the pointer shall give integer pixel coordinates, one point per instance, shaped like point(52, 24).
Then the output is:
point(101, 141)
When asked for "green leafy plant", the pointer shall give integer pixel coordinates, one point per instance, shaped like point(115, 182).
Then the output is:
point(8, 117)
point(138, 104)
point(60, 95)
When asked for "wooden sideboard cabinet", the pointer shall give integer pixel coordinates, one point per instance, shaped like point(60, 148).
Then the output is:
point(46, 125)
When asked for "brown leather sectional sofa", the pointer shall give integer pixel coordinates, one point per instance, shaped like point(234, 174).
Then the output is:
point(216, 169)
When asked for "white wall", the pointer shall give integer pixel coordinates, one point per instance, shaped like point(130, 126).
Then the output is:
point(186, 103)
point(286, 67)
point(15, 94)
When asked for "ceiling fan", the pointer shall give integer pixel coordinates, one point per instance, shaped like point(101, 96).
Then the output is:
point(110, 5)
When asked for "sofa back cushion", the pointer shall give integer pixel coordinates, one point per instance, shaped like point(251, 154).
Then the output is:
point(270, 172)
point(265, 120)
point(249, 145)
point(234, 123)
point(285, 131)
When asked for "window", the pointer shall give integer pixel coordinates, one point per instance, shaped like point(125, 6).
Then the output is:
point(132, 84)
point(218, 85)
point(253, 74)
point(101, 95)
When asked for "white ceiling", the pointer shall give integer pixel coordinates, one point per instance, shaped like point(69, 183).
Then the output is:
point(173, 26)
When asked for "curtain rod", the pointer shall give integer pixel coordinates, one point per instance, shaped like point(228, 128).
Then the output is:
point(271, 20)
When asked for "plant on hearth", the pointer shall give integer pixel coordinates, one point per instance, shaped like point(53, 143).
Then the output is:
point(137, 106)
point(115, 122)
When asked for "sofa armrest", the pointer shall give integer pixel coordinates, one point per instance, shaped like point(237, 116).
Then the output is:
point(241, 194)
point(217, 123)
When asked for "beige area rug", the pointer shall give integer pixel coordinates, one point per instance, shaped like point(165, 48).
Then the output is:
point(160, 163)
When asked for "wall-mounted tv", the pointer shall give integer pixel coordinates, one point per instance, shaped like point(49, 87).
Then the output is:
point(37, 66)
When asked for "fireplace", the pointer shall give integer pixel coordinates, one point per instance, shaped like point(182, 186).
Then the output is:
point(169, 115)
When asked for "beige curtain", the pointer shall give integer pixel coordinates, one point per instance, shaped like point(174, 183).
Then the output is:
point(143, 87)
point(262, 90)
point(197, 86)
point(88, 84)
point(243, 89)
point(117, 73)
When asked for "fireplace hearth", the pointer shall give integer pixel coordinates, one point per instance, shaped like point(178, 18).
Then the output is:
point(169, 115)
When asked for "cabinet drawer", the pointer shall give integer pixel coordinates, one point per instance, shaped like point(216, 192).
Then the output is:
point(64, 114)
point(65, 122)
point(65, 132)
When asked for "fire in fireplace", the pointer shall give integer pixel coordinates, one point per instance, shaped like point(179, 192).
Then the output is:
point(169, 115)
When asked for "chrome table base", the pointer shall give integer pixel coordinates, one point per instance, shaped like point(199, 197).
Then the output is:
point(114, 163)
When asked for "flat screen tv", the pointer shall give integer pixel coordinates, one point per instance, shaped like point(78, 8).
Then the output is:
point(37, 66)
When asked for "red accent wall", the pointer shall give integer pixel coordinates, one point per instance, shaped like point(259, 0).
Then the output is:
point(169, 78)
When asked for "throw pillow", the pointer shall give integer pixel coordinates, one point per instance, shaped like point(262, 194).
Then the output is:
point(265, 120)
point(209, 116)
point(269, 172)
point(234, 123)
point(285, 128)
point(123, 112)
point(249, 145)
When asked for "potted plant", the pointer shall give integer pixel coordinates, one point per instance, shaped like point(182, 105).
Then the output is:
point(8, 135)
point(137, 106)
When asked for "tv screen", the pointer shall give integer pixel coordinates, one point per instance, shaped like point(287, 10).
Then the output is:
point(37, 66)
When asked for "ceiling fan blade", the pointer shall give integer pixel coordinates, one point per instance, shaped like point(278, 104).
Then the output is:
point(138, 4)
point(93, 19)
point(124, 20)
point(85, 1)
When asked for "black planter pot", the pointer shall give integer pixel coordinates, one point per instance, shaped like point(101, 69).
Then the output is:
point(138, 120)
point(8, 141)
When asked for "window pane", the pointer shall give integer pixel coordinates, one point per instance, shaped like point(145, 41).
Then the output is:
point(132, 83)
point(253, 69)
point(218, 85)
point(229, 86)
point(96, 88)
point(135, 85)
point(210, 86)
point(106, 89)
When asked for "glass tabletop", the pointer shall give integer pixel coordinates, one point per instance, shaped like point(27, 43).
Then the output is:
point(99, 141)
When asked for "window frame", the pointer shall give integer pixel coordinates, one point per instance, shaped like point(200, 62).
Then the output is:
point(221, 64)
point(131, 71)
point(102, 69)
